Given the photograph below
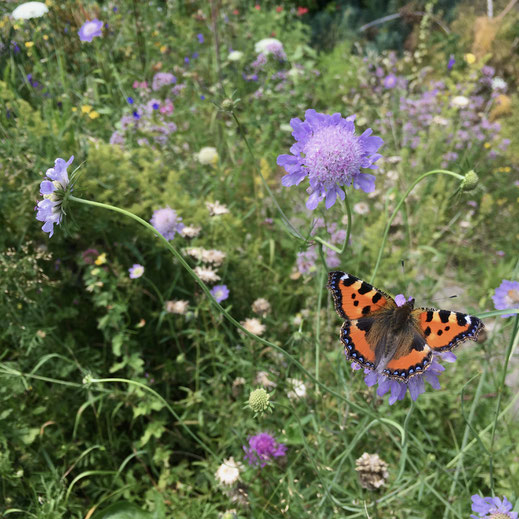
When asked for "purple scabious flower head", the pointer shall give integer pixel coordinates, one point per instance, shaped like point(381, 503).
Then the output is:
point(220, 293)
point(492, 507)
point(263, 448)
point(200, 38)
point(90, 29)
point(167, 222)
point(331, 155)
point(451, 62)
point(53, 189)
point(506, 296)
point(136, 271)
point(415, 385)
point(161, 79)
point(390, 81)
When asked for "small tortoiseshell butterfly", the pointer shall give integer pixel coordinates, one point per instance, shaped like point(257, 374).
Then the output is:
point(396, 341)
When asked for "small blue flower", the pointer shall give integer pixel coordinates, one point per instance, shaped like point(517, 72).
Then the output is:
point(194, 55)
point(136, 114)
point(200, 37)
point(130, 100)
point(155, 106)
point(220, 293)
point(136, 271)
point(490, 507)
point(186, 60)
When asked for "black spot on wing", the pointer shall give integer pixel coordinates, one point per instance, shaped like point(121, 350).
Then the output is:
point(349, 281)
point(376, 297)
point(418, 343)
point(461, 319)
point(366, 310)
point(365, 288)
point(444, 315)
point(427, 331)
point(353, 296)
point(429, 317)
point(355, 303)
point(364, 324)
point(439, 332)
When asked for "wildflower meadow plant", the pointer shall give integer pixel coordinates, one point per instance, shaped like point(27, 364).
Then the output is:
point(262, 448)
point(492, 508)
point(331, 155)
point(167, 222)
point(90, 30)
point(506, 296)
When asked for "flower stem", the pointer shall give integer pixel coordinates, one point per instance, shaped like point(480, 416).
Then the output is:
point(397, 208)
point(222, 310)
point(348, 232)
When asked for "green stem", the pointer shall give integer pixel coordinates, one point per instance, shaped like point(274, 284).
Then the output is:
point(397, 208)
point(348, 232)
point(514, 339)
point(220, 308)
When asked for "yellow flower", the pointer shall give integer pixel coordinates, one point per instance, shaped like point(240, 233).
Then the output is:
point(16, 26)
point(45, 37)
point(29, 44)
point(163, 49)
point(74, 109)
point(486, 145)
point(100, 259)
point(95, 272)
point(470, 58)
point(93, 114)
point(155, 33)
point(507, 169)
point(48, 3)
point(85, 109)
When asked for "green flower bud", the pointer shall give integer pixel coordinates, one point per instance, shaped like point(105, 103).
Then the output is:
point(470, 181)
point(259, 401)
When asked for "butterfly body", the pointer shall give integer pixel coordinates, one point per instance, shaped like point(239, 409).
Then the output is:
point(397, 341)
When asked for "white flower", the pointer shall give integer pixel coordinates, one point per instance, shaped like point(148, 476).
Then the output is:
point(216, 208)
point(298, 389)
point(177, 306)
point(460, 101)
point(261, 307)
point(262, 379)
point(30, 10)
point(207, 155)
point(191, 231)
point(438, 119)
point(254, 326)
point(235, 55)
point(286, 128)
point(498, 83)
point(228, 472)
point(213, 256)
point(207, 275)
point(266, 45)
point(361, 208)
point(194, 252)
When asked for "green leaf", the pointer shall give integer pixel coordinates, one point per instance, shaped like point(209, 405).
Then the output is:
point(122, 510)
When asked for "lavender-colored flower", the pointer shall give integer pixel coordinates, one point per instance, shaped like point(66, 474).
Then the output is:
point(220, 293)
point(90, 29)
point(167, 222)
point(506, 296)
point(200, 38)
point(263, 448)
point(161, 79)
point(390, 81)
point(329, 152)
point(136, 271)
point(53, 189)
point(451, 62)
point(492, 507)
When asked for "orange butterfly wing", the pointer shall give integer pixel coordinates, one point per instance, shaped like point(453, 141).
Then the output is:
point(356, 345)
point(444, 330)
point(355, 298)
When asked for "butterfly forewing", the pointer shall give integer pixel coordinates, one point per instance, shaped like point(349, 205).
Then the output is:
point(444, 330)
point(355, 298)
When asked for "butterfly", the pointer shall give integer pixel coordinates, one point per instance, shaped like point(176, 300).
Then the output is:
point(396, 341)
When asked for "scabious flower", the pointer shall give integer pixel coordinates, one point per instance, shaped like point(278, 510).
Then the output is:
point(390, 81)
point(261, 307)
point(506, 296)
point(216, 208)
point(90, 29)
point(167, 222)
point(207, 155)
point(416, 384)
point(53, 188)
point(263, 448)
point(298, 389)
point(492, 507)
point(177, 306)
point(220, 293)
point(136, 271)
point(228, 472)
point(254, 326)
point(161, 79)
point(207, 275)
point(331, 155)
point(372, 471)
point(235, 55)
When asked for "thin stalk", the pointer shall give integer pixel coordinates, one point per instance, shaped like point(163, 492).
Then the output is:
point(397, 208)
point(348, 232)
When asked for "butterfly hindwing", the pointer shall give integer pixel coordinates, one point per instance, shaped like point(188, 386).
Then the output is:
point(356, 345)
point(355, 298)
point(443, 329)
point(413, 357)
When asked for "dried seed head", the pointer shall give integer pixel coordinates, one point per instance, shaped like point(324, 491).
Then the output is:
point(372, 471)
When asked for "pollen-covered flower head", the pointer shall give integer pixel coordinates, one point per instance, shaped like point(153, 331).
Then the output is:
point(167, 222)
point(492, 508)
point(53, 188)
point(263, 448)
point(506, 296)
point(331, 155)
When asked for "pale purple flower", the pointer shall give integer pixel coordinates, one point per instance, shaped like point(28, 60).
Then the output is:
point(167, 222)
point(136, 271)
point(161, 79)
point(492, 507)
point(53, 188)
point(415, 385)
point(90, 29)
point(262, 449)
point(200, 38)
point(506, 296)
point(390, 81)
point(220, 293)
point(331, 155)
point(451, 62)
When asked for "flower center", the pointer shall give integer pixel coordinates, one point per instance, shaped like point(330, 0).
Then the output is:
point(333, 155)
point(90, 28)
point(499, 516)
point(513, 296)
